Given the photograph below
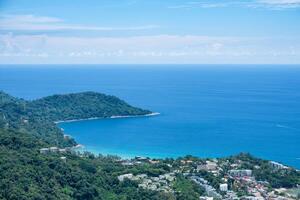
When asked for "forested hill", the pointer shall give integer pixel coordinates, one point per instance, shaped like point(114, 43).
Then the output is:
point(81, 106)
point(38, 116)
point(28, 175)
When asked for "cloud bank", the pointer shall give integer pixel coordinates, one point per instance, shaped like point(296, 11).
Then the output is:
point(265, 4)
point(42, 23)
point(146, 49)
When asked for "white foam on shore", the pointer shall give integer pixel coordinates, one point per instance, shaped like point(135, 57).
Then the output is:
point(112, 117)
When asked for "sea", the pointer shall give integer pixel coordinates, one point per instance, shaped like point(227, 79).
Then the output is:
point(205, 110)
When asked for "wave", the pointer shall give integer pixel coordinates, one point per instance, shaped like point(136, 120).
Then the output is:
point(286, 127)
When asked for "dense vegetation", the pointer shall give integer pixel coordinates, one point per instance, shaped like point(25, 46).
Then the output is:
point(81, 106)
point(38, 116)
point(27, 174)
point(187, 190)
point(27, 126)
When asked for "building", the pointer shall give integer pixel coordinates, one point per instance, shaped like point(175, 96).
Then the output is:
point(240, 173)
point(62, 150)
point(253, 198)
point(125, 176)
point(153, 161)
point(224, 187)
point(64, 159)
point(206, 198)
point(209, 166)
point(54, 149)
point(140, 158)
point(66, 137)
point(44, 150)
point(277, 165)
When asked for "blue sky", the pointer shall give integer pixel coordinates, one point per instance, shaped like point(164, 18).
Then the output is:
point(156, 31)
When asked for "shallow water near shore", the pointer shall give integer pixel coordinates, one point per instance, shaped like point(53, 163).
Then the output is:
point(206, 111)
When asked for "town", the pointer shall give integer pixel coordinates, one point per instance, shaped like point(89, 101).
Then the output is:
point(238, 177)
point(219, 178)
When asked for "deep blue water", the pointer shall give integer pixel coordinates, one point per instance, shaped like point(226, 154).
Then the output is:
point(207, 111)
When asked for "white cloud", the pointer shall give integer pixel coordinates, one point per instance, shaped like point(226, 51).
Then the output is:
point(280, 4)
point(267, 4)
point(203, 4)
point(42, 23)
point(29, 19)
point(146, 49)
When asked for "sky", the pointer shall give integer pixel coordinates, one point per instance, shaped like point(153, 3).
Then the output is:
point(150, 32)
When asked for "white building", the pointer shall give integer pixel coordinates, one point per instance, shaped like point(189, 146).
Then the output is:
point(209, 166)
point(240, 173)
point(224, 187)
point(206, 198)
point(64, 159)
point(44, 150)
point(54, 149)
point(124, 176)
point(62, 150)
point(277, 165)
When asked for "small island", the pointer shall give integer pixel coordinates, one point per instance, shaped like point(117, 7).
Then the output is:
point(37, 161)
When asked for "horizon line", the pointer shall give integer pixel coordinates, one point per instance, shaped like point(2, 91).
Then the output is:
point(1, 64)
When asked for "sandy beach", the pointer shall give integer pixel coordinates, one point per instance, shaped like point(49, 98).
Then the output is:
point(112, 117)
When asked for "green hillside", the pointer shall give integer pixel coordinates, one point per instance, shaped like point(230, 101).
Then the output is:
point(38, 116)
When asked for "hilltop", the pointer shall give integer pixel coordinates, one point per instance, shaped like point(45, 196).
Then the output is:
point(38, 116)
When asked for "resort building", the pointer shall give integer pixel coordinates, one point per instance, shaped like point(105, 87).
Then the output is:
point(277, 165)
point(224, 187)
point(62, 150)
point(125, 176)
point(44, 150)
point(240, 173)
point(64, 159)
point(209, 166)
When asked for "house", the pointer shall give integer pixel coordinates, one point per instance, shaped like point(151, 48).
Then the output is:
point(224, 187)
point(62, 150)
point(66, 137)
point(64, 159)
point(240, 173)
point(209, 166)
point(125, 176)
point(206, 198)
point(54, 149)
point(44, 150)
point(142, 159)
point(153, 161)
point(277, 165)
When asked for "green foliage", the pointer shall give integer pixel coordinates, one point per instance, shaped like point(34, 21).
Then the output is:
point(187, 189)
point(27, 174)
point(81, 106)
point(214, 181)
point(38, 116)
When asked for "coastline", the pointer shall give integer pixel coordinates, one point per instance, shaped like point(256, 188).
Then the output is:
point(81, 147)
point(112, 117)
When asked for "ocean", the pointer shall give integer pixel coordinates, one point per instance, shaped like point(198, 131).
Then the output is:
point(206, 110)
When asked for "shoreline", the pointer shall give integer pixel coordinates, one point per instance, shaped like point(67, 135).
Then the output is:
point(130, 156)
point(112, 117)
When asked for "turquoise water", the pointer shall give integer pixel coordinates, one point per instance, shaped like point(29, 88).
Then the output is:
point(206, 111)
